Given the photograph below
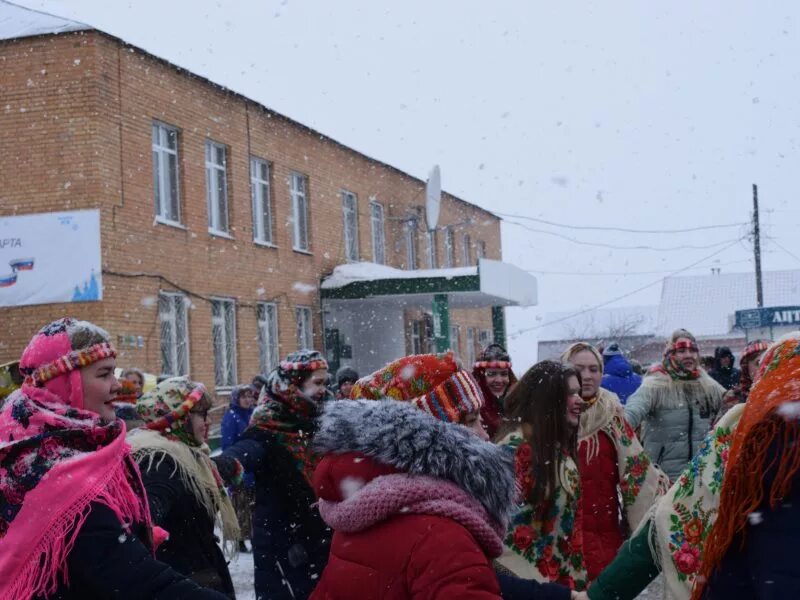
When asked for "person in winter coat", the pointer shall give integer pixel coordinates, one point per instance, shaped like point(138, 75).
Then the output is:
point(618, 374)
point(234, 424)
point(345, 378)
point(74, 520)
point(749, 361)
point(751, 550)
point(675, 405)
point(184, 489)
point(724, 371)
point(290, 540)
point(544, 541)
point(493, 373)
point(619, 484)
point(417, 497)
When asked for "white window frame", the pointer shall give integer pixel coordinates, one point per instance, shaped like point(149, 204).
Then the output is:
point(305, 327)
point(480, 250)
point(167, 205)
point(469, 358)
point(466, 253)
point(350, 217)
point(298, 189)
point(411, 244)
point(225, 362)
point(377, 223)
point(415, 337)
point(172, 310)
point(455, 344)
point(261, 194)
point(268, 340)
point(217, 188)
point(485, 338)
point(432, 254)
point(449, 248)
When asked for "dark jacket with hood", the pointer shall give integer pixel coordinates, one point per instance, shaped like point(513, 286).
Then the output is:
point(618, 377)
point(727, 377)
point(391, 544)
point(290, 540)
point(234, 423)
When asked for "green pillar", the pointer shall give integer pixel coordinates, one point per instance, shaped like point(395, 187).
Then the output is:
point(441, 322)
point(499, 325)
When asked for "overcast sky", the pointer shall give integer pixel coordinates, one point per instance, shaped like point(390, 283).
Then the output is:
point(625, 114)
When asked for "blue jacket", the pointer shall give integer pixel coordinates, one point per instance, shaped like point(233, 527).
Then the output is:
point(234, 422)
point(619, 377)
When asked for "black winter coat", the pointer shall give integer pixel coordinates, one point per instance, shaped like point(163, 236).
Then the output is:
point(192, 546)
point(766, 568)
point(290, 540)
point(105, 563)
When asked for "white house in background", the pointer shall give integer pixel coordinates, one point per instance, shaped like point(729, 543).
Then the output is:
point(706, 305)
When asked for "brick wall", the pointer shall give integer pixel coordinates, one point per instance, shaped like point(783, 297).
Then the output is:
point(78, 111)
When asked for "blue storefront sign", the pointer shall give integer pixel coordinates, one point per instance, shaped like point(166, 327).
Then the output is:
point(777, 316)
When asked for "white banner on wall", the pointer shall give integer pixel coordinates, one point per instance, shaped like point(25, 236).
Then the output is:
point(50, 257)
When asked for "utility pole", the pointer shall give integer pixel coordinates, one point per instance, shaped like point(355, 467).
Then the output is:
point(757, 248)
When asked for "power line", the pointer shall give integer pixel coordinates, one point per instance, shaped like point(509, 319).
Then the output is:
point(622, 297)
point(620, 229)
point(774, 241)
point(615, 247)
point(616, 273)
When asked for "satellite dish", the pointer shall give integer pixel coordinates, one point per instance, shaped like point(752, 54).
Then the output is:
point(433, 197)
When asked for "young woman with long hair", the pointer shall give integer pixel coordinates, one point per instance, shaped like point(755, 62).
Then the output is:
point(544, 540)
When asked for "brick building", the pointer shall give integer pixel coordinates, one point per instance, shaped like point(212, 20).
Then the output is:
point(219, 217)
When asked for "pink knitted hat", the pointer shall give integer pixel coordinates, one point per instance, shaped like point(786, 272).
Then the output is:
point(50, 360)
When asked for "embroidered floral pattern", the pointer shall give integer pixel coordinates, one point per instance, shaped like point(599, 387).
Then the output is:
point(636, 467)
point(549, 536)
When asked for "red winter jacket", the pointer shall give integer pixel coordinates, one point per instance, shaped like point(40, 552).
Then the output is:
point(406, 556)
point(599, 503)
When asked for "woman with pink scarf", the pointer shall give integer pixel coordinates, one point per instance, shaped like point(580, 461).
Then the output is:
point(74, 520)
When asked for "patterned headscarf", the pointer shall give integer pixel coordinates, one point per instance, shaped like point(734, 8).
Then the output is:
point(751, 350)
point(680, 339)
point(166, 408)
point(770, 412)
point(55, 460)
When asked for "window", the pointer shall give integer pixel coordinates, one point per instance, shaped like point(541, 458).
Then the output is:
point(217, 187)
point(378, 245)
point(350, 212)
point(165, 173)
point(298, 185)
point(416, 337)
point(267, 316)
point(469, 357)
point(433, 260)
point(455, 346)
point(223, 336)
point(466, 254)
point(485, 338)
point(480, 250)
point(305, 330)
point(174, 334)
point(411, 244)
point(262, 203)
point(449, 248)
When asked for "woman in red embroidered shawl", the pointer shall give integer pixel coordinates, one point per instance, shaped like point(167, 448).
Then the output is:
point(493, 373)
point(74, 521)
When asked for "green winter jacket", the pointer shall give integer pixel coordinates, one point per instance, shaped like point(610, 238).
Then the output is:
point(629, 573)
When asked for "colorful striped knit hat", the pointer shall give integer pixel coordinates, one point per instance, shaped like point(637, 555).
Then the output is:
point(433, 383)
point(166, 408)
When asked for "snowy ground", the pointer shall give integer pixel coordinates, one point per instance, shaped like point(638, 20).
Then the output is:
point(242, 574)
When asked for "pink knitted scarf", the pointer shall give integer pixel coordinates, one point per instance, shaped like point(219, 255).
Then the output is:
point(391, 495)
point(54, 461)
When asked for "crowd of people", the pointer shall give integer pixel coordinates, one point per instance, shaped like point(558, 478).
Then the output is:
point(586, 478)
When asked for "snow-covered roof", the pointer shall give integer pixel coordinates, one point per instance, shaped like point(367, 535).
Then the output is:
point(601, 322)
point(705, 304)
point(367, 271)
point(19, 22)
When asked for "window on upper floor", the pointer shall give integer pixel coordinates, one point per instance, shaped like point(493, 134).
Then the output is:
point(166, 189)
point(262, 202)
point(350, 216)
point(378, 239)
point(217, 187)
point(298, 188)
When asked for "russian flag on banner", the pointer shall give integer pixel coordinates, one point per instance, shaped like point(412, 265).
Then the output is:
point(8, 280)
point(22, 264)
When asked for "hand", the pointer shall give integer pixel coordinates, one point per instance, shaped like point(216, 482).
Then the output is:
point(580, 596)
